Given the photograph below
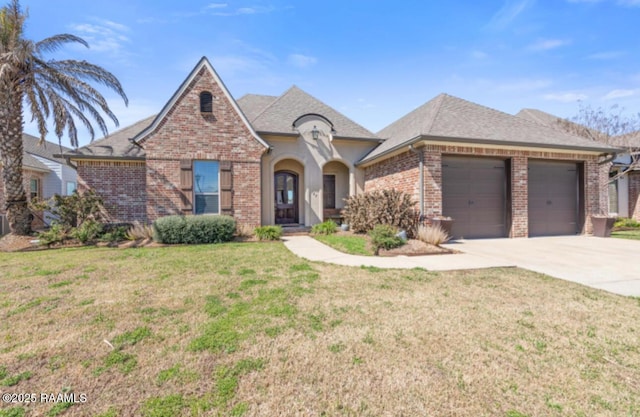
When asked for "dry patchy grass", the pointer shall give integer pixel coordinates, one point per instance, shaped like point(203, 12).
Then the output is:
point(249, 329)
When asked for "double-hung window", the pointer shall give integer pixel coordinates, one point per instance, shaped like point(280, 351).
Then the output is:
point(206, 187)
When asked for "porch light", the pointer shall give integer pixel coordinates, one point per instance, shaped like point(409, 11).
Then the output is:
point(315, 133)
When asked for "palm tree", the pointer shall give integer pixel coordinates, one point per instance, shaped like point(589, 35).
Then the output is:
point(59, 89)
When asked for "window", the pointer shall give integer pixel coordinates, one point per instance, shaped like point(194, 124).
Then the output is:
point(329, 191)
point(206, 102)
point(206, 187)
point(34, 188)
point(71, 187)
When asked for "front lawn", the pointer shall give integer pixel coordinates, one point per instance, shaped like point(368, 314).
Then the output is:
point(627, 234)
point(352, 244)
point(250, 329)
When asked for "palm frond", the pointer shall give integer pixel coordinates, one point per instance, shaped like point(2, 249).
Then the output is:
point(55, 42)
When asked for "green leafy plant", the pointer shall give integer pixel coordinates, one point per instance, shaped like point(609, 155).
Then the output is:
point(383, 236)
point(328, 227)
point(73, 210)
point(115, 234)
point(194, 229)
point(364, 211)
point(88, 231)
point(56, 234)
point(269, 232)
point(624, 223)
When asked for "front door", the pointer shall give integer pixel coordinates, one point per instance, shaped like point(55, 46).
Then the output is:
point(286, 198)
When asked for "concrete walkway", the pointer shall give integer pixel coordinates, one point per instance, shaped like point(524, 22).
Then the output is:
point(609, 264)
point(309, 248)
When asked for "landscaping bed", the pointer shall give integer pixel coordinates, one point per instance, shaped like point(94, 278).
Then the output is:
point(360, 244)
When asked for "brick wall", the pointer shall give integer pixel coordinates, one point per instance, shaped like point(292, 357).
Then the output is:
point(634, 195)
point(121, 184)
point(401, 172)
point(185, 133)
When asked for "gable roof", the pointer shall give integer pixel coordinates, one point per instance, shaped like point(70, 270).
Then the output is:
point(116, 145)
point(456, 120)
point(203, 63)
point(46, 149)
point(279, 115)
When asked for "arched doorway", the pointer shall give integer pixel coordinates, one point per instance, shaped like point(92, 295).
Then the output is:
point(286, 197)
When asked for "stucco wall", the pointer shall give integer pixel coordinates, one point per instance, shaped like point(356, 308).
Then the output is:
point(313, 155)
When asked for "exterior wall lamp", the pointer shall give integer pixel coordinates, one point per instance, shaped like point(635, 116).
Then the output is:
point(315, 133)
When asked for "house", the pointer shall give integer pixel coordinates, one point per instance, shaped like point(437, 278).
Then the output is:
point(622, 180)
point(292, 159)
point(44, 175)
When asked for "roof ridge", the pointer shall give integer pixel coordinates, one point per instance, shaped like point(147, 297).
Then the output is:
point(278, 98)
point(439, 102)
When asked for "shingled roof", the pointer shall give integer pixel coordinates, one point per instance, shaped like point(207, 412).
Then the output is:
point(277, 115)
point(115, 145)
point(453, 119)
point(46, 149)
point(30, 162)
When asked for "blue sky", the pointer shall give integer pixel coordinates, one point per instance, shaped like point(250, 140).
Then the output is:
point(372, 60)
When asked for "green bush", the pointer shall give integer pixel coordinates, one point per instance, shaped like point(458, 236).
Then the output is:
point(624, 223)
point(56, 234)
point(88, 231)
point(194, 229)
point(364, 211)
point(116, 234)
point(327, 227)
point(269, 232)
point(73, 210)
point(383, 236)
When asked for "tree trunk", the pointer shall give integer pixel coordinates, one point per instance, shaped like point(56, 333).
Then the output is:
point(11, 148)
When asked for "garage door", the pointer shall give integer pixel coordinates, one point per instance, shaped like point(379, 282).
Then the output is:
point(474, 195)
point(553, 198)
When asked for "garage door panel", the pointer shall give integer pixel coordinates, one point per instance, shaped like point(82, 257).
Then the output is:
point(553, 198)
point(473, 194)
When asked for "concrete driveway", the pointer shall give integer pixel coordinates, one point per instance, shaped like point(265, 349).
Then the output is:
point(605, 263)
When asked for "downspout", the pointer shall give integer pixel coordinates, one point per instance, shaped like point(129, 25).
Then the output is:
point(420, 177)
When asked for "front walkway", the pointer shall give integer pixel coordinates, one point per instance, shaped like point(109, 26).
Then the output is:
point(609, 264)
point(309, 248)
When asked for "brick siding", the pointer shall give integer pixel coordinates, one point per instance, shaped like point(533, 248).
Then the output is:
point(185, 133)
point(121, 184)
point(400, 172)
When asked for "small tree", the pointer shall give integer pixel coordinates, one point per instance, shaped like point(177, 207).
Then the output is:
point(612, 127)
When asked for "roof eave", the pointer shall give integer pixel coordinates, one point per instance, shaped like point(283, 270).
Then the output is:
point(427, 138)
point(335, 137)
point(74, 157)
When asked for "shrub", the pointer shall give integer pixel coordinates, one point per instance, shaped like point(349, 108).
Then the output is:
point(364, 211)
point(624, 223)
point(327, 227)
point(433, 235)
point(269, 232)
point(56, 234)
point(88, 231)
point(383, 236)
point(115, 234)
point(73, 210)
point(194, 229)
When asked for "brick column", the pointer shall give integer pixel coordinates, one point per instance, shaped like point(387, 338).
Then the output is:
point(432, 182)
point(519, 197)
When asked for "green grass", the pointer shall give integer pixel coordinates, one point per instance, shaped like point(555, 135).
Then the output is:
point(250, 329)
point(626, 234)
point(353, 244)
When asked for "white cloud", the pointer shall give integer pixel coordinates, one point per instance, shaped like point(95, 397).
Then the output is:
point(103, 36)
point(479, 55)
point(222, 10)
point(618, 93)
point(547, 44)
point(301, 61)
point(567, 97)
point(509, 11)
point(607, 55)
point(217, 6)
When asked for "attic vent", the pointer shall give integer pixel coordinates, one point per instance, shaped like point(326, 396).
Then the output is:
point(206, 102)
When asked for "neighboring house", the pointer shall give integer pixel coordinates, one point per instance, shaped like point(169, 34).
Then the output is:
point(44, 176)
point(623, 192)
point(293, 160)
